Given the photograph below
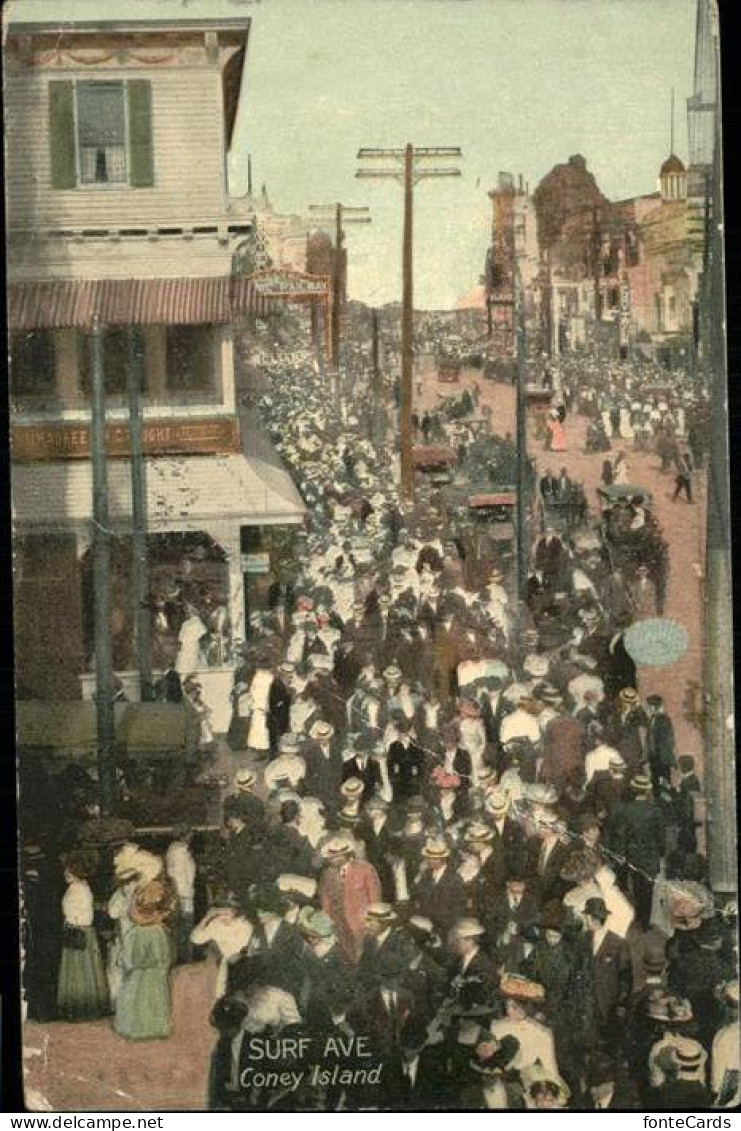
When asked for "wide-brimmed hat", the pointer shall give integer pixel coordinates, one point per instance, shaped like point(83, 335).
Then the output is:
point(498, 802)
point(669, 1009)
point(641, 783)
point(315, 924)
point(321, 730)
point(289, 743)
point(436, 850)
point(628, 695)
point(381, 913)
point(298, 888)
point(468, 928)
point(392, 674)
point(688, 1054)
point(153, 903)
point(245, 779)
point(337, 846)
point(521, 989)
point(478, 833)
point(352, 788)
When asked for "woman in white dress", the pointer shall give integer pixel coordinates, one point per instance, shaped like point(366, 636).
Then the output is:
point(192, 632)
point(626, 426)
point(621, 471)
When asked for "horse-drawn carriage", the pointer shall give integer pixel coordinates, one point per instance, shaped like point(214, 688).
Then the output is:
point(436, 463)
point(633, 536)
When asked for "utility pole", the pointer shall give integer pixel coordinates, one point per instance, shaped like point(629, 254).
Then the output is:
point(408, 169)
point(343, 214)
point(521, 509)
point(139, 555)
point(104, 691)
point(377, 390)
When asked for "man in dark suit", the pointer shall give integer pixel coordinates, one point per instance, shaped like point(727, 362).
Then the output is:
point(551, 558)
point(360, 765)
point(660, 747)
point(405, 762)
point(635, 833)
point(548, 486)
point(279, 713)
point(384, 943)
point(439, 894)
point(327, 988)
point(516, 910)
point(276, 953)
point(508, 842)
point(323, 765)
point(473, 976)
point(607, 965)
point(545, 856)
point(374, 832)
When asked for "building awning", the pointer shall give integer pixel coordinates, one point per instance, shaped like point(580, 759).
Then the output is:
point(183, 493)
point(73, 303)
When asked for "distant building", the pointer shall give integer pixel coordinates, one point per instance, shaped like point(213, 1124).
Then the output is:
point(514, 246)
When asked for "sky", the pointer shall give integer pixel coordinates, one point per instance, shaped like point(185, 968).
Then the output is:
point(519, 85)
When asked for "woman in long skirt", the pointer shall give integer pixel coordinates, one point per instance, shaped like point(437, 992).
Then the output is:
point(82, 990)
point(143, 1005)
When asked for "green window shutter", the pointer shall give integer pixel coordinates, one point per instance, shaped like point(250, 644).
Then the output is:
point(141, 157)
point(62, 134)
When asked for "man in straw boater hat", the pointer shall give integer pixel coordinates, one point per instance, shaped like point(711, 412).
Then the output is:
point(631, 729)
point(347, 887)
point(636, 836)
point(323, 764)
point(439, 894)
point(383, 939)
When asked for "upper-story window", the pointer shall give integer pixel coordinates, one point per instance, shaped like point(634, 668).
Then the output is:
point(100, 133)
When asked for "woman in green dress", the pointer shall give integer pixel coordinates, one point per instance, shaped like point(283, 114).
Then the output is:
point(82, 989)
point(143, 1005)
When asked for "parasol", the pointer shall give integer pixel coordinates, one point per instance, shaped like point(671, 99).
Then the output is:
point(655, 642)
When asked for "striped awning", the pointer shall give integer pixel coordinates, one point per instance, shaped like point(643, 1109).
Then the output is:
point(73, 303)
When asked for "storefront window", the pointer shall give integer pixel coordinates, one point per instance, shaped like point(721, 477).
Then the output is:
point(32, 367)
point(191, 363)
point(121, 347)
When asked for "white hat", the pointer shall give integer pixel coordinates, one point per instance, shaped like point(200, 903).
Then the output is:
point(468, 929)
point(498, 802)
point(245, 779)
point(321, 730)
point(304, 885)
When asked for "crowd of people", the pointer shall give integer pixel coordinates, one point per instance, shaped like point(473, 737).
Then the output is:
point(454, 829)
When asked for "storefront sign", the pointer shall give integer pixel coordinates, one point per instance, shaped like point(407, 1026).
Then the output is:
point(159, 437)
point(256, 563)
point(289, 284)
